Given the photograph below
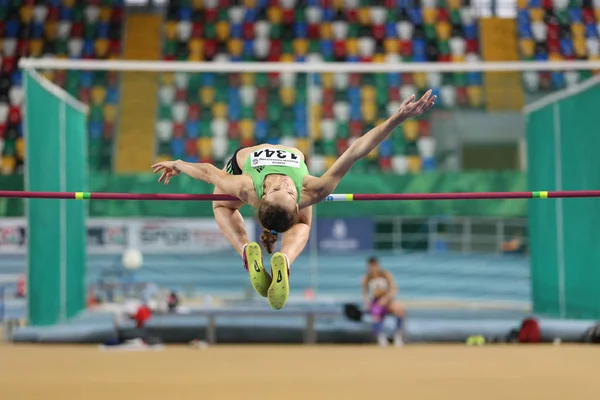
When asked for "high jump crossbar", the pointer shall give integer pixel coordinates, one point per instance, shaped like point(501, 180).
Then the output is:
point(334, 197)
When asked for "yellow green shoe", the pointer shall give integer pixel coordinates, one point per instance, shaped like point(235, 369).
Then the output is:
point(280, 285)
point(253, 263)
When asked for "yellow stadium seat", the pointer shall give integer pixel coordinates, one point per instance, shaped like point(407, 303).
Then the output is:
point(197, 46)
point(378, 58)
point(364, 15)
point(300, 47)
point(315, 129)
point(113, 57)
point(410, 130)
point(475, 95)
point(167, 78)
point(414, 164)
point(98, 94)
point(35, 47)
point(219, 110)
point(522, 4)
point(62, 57)
point(368, 111)
point(578, 30)
point(250, 3)
point(527, 47)
point(207, 95)
point(597, 12)
point(204, 146)
point(443, 30)
point(20, 148)
point(162, 157)
point(352, 47)
point(286, 58)
point(429, 15)
point(274, 14)
point(303, 145)
point(110, 113)
point(48, 74)
point(338, 4)
point(315, 122)
point(171, 30)
point(222, 30)
point(537, 14)
point(8, 165)
point(555, 57)
point(195, 57)
point(459, 58)
point(391, 46)
point(105, 13)
point(235, 47)
point(326, 31)
point(327, 80)
point(101, 47)
point(455, 4)
point(367, 93)
point(50, 29)
point(580, 47)
point(248, 78)
point(68, 3)
point(329, 160)
point(287, 95)
point(420, 79)
point(247, 128)
point(26, 13)
point(316, 111)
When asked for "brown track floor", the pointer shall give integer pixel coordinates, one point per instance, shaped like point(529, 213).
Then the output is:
point(300, 372)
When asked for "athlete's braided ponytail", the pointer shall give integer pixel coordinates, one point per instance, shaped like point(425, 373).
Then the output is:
point(274, 219)
point(268, 240)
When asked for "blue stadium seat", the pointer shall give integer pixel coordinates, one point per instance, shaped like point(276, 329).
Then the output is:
point(178, 147)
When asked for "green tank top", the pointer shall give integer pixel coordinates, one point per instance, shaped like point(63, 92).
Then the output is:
point(263, 162)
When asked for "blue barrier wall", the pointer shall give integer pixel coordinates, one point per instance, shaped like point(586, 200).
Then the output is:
point(419, 275)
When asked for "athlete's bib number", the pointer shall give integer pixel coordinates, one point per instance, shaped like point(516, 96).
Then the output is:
point(284, 158)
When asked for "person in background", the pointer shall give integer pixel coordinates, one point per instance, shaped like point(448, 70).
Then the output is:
point(173, 301)
point(379, 291)
point(516, 245)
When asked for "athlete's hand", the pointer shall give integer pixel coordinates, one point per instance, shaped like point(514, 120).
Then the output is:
point(411, 108)
point(168, 168)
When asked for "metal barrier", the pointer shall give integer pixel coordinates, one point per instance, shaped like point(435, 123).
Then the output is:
point(310, 333)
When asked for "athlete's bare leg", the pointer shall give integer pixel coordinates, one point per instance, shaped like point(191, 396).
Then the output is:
point(231, 224)
point(292, 244)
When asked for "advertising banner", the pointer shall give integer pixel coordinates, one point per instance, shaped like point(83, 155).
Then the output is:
point(345, 234)
point(151, 236)
point(339, 234)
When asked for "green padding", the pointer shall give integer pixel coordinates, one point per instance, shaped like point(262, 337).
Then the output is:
point(56, 161)
point(563, 145)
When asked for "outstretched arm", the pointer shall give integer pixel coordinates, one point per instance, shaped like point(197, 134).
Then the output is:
point(231, 222)
point(295, 239)
point(234, 185)
point(326, 184)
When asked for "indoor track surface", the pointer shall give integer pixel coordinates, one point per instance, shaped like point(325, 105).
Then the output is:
point(301, 372)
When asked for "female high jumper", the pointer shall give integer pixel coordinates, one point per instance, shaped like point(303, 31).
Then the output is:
point(274, 179)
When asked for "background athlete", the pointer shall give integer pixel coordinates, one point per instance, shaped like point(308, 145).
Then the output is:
point(274, 179)
point(379, 291)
